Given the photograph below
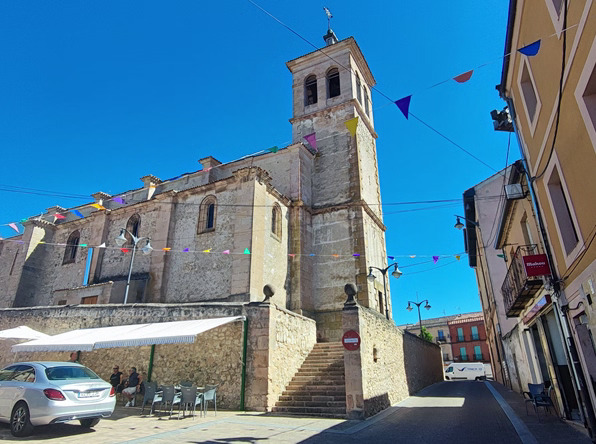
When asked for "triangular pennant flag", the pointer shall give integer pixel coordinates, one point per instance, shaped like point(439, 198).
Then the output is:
point(335, 255)
point(462, 78)
point(246, 251)
point(312, 140)
point(291, 254)
point(404, 105)
point(82, 245)
point(14, 227)
point(273, 149)
point(391, 258)
point(207, 169)
point(98, 206)
point(59, 216)
point(351, 125)
point(118, 199)
point(412, 256)
point(77, 213)
point(208, 250)
point(186, 250)
point(225, 252)
point(457, 256)
point(40, 242)
point(435, 259)
point(102, 245)
point(124, 250)
point(356, 255)
point(311, 254)
point(531, 49)
point(166, 248)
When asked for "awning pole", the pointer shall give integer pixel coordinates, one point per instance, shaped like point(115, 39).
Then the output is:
point(150, 369)
point(244, 346)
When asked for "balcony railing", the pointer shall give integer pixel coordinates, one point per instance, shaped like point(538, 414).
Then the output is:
point(478, 357)
point(469, 338)
point(462, 358)
point(518, 289)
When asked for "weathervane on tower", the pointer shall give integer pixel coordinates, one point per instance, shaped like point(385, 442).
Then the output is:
point(330, 38)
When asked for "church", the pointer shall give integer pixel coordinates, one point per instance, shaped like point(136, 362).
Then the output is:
point(304, 220)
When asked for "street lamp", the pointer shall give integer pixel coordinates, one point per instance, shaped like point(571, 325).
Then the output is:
point(147, 249)
point(396, 274)
point(459, 225)
point(418, 304)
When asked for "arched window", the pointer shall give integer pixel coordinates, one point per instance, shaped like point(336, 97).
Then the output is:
point(366, 105)
point(310, 90)
point(333, 89)
point(358, 89)
point(276, 220)
point(207, 214)
point(71, 247)
point(134, 226)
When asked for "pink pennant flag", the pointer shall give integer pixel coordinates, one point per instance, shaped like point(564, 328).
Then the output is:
point(14, 227)
point(462, 78)
point(291, 254)
point(59, 216)
point(435, 259)
point(312, 140)
point(225, 252)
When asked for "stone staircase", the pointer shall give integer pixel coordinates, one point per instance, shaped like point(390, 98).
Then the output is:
point(318, 389)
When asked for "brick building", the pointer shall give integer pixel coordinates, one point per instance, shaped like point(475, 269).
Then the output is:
point(468, 340)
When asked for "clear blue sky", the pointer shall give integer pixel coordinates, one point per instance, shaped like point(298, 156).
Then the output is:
point(94, 95)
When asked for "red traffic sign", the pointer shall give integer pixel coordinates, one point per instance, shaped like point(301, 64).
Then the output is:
point(351, 340)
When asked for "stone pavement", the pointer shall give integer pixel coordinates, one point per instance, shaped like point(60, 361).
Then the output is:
point(464, 412)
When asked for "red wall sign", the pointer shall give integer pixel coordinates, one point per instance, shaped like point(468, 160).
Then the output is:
point(351, 340)
point(536, 265)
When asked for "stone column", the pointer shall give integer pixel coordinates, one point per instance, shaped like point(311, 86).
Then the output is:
point(353, 359)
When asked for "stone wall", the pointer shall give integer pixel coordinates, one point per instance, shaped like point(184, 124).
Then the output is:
point(278, 342)
point(389, 365)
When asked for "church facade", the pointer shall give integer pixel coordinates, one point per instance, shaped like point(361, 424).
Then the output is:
point(305, 219)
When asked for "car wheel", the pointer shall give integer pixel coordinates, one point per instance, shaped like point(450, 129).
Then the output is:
point(89, 422)
point(20, 420)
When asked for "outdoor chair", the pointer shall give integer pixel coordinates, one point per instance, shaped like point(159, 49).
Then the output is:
point(209, 394)
point(149, 395)
point(186, 384)
point(538, 397)
point(187, 400)
point(199, 402)
point(169, 398)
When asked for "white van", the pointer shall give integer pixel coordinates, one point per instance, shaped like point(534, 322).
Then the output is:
point(465, 371)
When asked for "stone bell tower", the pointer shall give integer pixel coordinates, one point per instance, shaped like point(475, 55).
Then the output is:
point(332, 86)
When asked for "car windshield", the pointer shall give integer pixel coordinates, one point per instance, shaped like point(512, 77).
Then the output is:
point(449, 370)
point(70, 373)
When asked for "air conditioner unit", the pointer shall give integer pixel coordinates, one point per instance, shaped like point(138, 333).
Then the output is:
point(514, 191)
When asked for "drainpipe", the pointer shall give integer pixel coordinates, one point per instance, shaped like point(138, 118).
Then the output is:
point(563, 322)
point(244, 347)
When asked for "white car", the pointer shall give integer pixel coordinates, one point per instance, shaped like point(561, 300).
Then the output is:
point(40, 393)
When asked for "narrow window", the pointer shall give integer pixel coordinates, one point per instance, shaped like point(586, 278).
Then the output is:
point(381, 306)
point(71, 247)
point(477, 353)
point(463, 353)
point(366, 103)
point(529, 92)
point(358, 89)
point(475, 336)
point(441, 336)
point(310, 90)
point(460, 334)
point(276, 220)
point(133, 226)
point(207, 215)
point(562, 212)
point(333, 88)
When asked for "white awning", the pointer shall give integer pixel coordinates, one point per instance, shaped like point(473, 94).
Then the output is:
point(22, 332)
point(126, 335)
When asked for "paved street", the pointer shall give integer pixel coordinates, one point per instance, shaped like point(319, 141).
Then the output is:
point(462, 412)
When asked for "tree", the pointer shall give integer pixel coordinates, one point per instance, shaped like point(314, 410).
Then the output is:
point(424, 334)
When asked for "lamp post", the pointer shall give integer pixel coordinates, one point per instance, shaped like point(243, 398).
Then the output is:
point(459, 225)
point(418, 304)
point(396, 274)
point(147, 249)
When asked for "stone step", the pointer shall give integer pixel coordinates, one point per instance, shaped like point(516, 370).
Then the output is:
point(316, 383)
point(311, 372)
point(311, 410)
point(316, 387)
point(340, 391)
point(322, 398)
point(336, 404)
